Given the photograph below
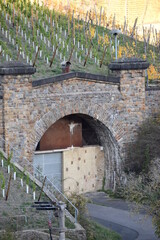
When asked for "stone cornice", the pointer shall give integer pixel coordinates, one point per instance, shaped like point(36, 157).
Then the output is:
point(128, 64)
point(79, 75)
point(156, 88)
point(16, 68)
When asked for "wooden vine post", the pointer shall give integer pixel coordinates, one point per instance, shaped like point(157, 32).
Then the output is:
point(96, 15)
point(86, 17)
point(114, 22)
point(103, 56)
point(8, 151)
point(87, 54)
point(71, 53)
point(100, 16)
point(148, 37)
point(13, 15)
point(54, 54)
point(145, 42)
point(36, 56)
point(134, 28)
point(78, 25)
point(37, 15)
point(32, 21)
point(17, 29)
point(68, 24)
point(51, 26)
point(56, 21)
point(9, 183)
point(18, 54)
point(73, 28)
point(104, 16)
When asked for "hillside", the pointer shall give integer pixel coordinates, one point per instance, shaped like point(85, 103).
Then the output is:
point(19, 220)
point(16, 200)
point(16, 213)
point(45, 38)
point(147, 11)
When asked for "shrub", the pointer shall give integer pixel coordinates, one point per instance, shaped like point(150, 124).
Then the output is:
point(79, 202)
point(142, 166)
point(145, 148)
point(7, 235)
point(144, 189)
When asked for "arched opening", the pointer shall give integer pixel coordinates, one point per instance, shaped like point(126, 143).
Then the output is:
point(70, 131)
point(80, 153)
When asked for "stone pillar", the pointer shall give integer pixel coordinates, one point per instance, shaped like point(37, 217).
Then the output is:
point(16, 83)
point(62, 229)
point(132, 88)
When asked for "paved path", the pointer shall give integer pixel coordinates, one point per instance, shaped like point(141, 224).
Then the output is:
point(116, 215)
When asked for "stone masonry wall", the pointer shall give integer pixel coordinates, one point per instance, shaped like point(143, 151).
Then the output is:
point(153, 101)
point(117, 109)
point(29, 112)
point(132, 88)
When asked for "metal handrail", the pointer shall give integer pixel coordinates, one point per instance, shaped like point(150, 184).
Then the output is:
point(30, 166)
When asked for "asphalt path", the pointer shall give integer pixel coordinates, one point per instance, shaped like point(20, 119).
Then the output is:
point(119, 216)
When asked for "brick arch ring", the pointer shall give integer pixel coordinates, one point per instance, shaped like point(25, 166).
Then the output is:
point(103, 120)
point(54, 115)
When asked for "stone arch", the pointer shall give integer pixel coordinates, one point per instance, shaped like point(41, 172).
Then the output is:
point(41, 125)
point(103, 122)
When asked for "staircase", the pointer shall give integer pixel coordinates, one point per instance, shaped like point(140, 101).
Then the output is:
point(48, 187)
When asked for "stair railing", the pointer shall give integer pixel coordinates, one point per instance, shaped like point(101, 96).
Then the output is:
point(49, 185)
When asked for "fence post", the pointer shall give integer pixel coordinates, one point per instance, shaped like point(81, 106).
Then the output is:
point(62, 221)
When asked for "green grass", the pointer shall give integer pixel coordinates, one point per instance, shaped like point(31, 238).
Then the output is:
point(95, 231)
point(5, 214)
point(7, 236)
point(69, 224)
point(82, 35)
point(103, 233)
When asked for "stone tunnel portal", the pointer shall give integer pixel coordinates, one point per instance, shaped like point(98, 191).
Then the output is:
point(81, 152)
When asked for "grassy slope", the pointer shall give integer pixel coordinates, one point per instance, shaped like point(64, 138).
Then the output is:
point(16, 213)
point(19, 204)
point(128, 47)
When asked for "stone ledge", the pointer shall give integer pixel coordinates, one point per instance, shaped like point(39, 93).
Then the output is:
point(80, 75)
point(16, 68)
point(128, 64)
point(153, 88)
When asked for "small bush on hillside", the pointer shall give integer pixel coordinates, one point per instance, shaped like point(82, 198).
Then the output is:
point(144, 189)
point(143, 170)
point(145, 148)
point(79, 202)
point(7, 235)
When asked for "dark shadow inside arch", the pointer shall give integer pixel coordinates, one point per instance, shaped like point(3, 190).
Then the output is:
point(74, 130)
